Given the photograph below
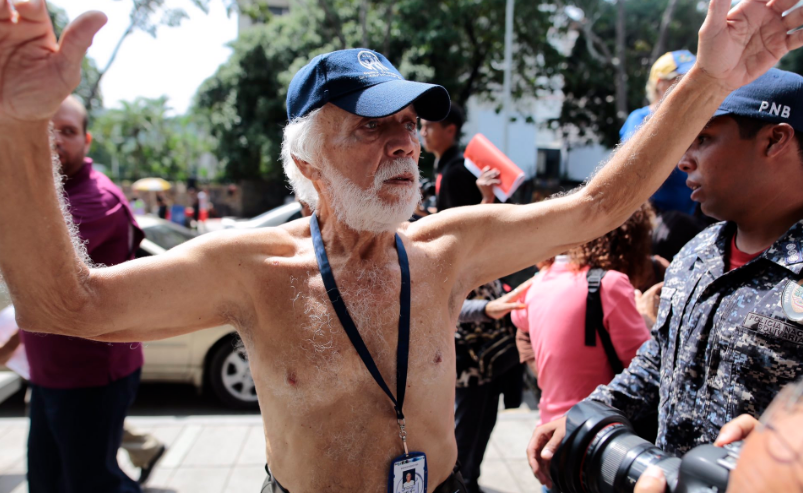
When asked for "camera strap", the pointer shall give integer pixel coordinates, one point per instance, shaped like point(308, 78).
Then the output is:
point(402, 350)
point(594, 319)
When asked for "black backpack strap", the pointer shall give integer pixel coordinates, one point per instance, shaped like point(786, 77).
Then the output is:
point(594, 319)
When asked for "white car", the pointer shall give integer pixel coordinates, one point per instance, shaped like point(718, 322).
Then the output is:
point(274, 217)
point(212, 358)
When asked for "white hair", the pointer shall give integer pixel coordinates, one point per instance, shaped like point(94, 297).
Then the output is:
point(302, 140)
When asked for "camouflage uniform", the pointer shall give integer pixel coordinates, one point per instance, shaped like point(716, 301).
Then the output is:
point(721, 345)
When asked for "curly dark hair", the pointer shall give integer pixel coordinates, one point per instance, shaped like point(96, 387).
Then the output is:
point(625, 249)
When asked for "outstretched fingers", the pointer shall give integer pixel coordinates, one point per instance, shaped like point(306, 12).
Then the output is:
point(5, 10)
point(78, 36)
point(32, 10)
point(781, 6)
point(793, 19)
point(794, 40)
point(718, 10)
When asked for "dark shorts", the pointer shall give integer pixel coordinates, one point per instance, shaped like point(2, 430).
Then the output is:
point(453, 484)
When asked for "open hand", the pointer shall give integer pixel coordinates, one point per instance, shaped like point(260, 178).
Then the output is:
point(486, 183)
point(738, 45)
point(36, 72)
point(505, 304)
point(542, 447)
point(647, 303)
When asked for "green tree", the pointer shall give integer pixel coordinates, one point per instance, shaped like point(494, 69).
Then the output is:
point(589, 111)
point(793, 62)
point(145, 16)
point(455, 43)
point(140, 140)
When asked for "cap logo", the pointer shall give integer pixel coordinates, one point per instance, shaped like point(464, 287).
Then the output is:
point(371, 61)
point(775, 109)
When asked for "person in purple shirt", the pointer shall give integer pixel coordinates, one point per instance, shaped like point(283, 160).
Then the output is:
point(81, 389)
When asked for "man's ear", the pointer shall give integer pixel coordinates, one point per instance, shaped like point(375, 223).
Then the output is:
point(88, 142)
point(451, 129)
point(779, 139)
point(309, 171)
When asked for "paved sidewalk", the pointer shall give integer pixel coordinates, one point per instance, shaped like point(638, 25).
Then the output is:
point(226, 454)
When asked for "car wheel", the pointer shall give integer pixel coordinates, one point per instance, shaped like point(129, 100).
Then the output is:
point(230, 376)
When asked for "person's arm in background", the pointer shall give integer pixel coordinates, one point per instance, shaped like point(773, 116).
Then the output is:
point(473, 311)
point(490, 310)
point(526, 354)
point(520, 319)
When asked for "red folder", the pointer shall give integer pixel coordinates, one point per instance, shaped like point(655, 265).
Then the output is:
point(480, 153)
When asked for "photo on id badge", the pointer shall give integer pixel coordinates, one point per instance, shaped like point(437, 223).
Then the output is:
point(409, 474)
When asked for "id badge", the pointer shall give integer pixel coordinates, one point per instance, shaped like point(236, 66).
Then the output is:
point(408, 473)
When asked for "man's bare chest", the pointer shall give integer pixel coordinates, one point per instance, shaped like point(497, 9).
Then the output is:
point(308, 361)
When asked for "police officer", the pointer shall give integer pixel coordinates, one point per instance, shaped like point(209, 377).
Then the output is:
point(729, 329)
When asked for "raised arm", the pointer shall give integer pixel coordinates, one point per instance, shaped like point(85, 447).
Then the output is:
point(735, 48)
point(51, 287)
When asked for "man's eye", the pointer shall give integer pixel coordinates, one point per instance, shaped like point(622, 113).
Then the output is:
point(372, 125)
point(701, 139)
point(411, 126)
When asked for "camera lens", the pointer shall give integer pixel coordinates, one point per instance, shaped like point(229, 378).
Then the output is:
point(601, 453)
point(617, 457)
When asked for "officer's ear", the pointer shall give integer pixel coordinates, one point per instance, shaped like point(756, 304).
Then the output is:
point(779, 139)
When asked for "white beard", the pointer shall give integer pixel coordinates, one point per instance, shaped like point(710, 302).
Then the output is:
point(363, 210)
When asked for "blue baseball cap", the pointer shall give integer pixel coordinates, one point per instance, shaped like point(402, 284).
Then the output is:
point(362, 82)
point(775, 97)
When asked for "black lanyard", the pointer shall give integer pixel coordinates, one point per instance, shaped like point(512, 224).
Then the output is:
point(351, 329)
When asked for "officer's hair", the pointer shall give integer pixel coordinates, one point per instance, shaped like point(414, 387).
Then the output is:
point(750, 127)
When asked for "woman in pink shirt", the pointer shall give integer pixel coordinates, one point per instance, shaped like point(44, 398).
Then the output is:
point(567, 369)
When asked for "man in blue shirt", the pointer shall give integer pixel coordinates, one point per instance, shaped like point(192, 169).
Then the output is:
point(673, 195)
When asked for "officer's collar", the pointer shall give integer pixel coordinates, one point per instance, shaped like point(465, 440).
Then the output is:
point(787, 251)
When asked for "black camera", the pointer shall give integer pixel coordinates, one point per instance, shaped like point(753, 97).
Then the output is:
point(602, 454)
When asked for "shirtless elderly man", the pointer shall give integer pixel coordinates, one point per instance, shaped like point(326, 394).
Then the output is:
point(328, 424)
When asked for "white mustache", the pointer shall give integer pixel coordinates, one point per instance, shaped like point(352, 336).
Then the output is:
point(396, 167)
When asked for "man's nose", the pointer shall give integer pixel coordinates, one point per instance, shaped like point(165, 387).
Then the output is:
point(687, 163)
point(402, 142)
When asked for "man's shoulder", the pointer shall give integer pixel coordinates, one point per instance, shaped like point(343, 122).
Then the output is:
point(95, 199)
point(701, 244)
point(268, 242)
